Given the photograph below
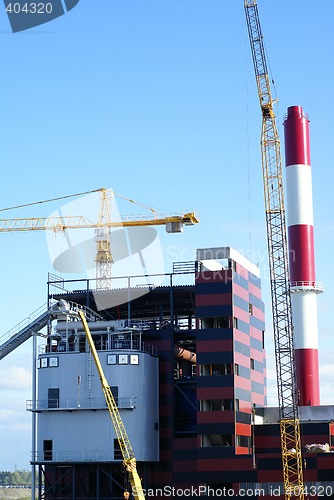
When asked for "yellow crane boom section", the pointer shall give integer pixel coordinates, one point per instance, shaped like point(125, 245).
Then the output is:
point(129, 459)
point(173, 222)
point(73, 222)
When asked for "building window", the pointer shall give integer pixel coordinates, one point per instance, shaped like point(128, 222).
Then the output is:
point(236, 369)
point(117, 450)
point(47, 449)
point(112, 359)
point(235, 322)
point(123, 359)
point(114, 392)
point(250, 309)
point(134, 359)
point(53, 362)
point(237, 405)
point(243, 441)
point(53, 397)
point(213, 369)
point(216, 322)
point(206, 323)
point(211, 440)
point(262, 339)
point(216, 404)
point(204, 370)
point(224, 369)
point(252, 363)
point(227, 404)
point(223, 322)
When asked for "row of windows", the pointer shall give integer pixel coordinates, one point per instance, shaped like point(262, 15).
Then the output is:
point(226, 369)
point(217, 322)
point(219, 404)
point(222, 321)
point(216, 369)
point(112, 359)
point(47, 362)
point(232, 322)
point(123, 359)
point(216, 404)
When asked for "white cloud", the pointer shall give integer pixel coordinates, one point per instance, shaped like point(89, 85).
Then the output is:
point(15, 420)
point(15, 378)
point(326, 383)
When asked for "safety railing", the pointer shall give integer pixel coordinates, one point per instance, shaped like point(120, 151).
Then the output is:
point(317, 286)
point(24, 323)
point(74, 456)
point(126, 403)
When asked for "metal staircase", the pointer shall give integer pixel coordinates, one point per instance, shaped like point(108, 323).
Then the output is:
point(37, 321)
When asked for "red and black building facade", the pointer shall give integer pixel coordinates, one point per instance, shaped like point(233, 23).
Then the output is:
point(213, 435)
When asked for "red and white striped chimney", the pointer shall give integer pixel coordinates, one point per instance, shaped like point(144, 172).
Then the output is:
point(304, 287)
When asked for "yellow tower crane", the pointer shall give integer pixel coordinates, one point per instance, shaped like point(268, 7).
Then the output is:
point(128, 455)
point(174, 224)
point(278, 263)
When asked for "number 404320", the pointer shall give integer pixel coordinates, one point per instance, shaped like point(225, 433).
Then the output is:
point(29, 8)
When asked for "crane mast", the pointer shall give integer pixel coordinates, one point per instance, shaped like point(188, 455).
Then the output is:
point(128, 455)
point(278, 264)
point(102, 238)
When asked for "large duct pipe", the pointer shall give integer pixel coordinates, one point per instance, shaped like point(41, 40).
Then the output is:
point(179, 352)
point(304, 288)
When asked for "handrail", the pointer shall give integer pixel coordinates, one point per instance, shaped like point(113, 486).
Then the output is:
point(126, 403)
point(22, 324)
point(37, 320)
point(314, 285)
point(75, 456)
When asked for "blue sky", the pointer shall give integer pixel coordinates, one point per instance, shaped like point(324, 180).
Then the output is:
point(157, 100)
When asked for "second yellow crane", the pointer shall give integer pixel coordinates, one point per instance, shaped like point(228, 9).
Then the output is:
point(278, 262)
point(174, 224)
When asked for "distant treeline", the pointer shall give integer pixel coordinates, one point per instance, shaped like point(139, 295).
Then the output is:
point(16, 478)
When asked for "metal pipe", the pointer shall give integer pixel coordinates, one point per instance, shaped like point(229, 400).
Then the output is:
point(179, 352)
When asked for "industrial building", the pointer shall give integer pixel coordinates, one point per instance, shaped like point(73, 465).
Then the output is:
point(186, 360)
point(186, 363)
point(200, 427)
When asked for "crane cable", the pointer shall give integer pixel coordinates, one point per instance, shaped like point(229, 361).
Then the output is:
point(48, 201)
point(80, 194)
